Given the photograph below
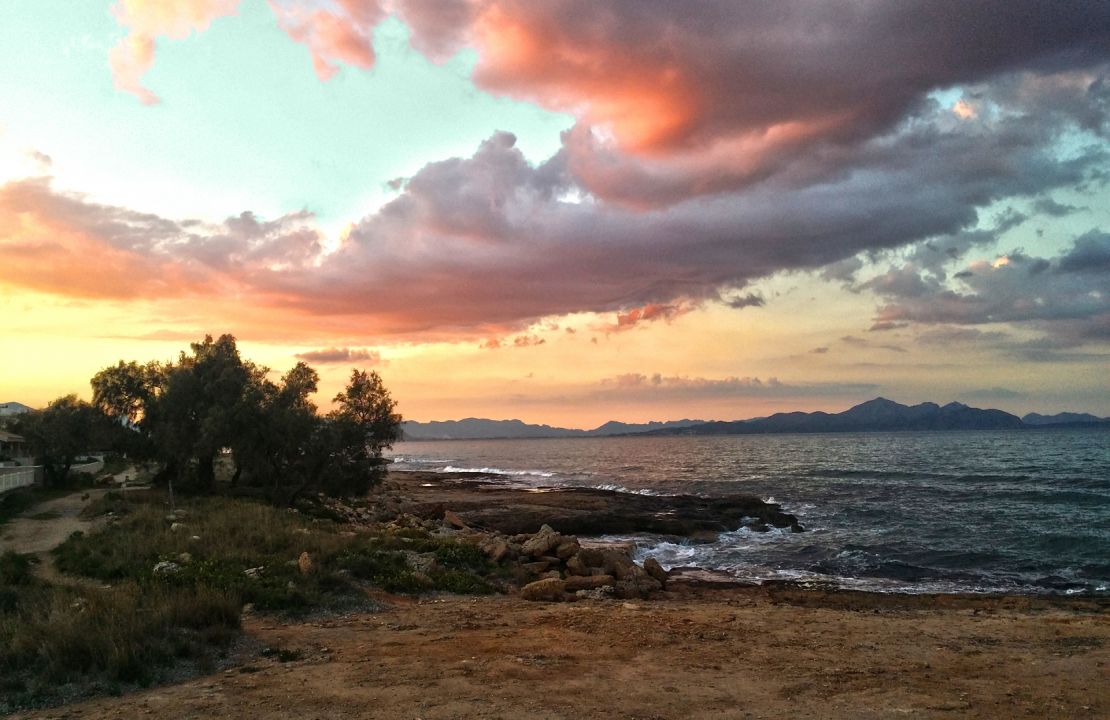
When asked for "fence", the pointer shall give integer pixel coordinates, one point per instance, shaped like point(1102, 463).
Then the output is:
point(12, 478)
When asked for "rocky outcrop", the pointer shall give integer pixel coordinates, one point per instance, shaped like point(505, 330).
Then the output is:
point(579, 511)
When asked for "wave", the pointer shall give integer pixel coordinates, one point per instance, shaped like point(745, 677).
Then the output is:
point(613, 487)
point(496, 471)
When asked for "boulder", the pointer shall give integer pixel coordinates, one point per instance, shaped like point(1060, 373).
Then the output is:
point(653, 568)
point(185, 558)
point(495, 548)
point(568, 548)
point(619, 565)
point(542, 542)
point(591, 557)
point(536, 567)
point(547, 590)
point(575, 566)
point(305, 563)
point(255, 572)
point(588, 582)
point(601, 593)
point(166, 567)
point(453, 520)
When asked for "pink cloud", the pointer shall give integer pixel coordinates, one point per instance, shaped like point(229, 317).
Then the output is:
point(343, 35)
point(635, 317)
point(147, 20)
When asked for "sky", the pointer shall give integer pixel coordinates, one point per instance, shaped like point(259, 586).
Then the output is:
point(566, 211)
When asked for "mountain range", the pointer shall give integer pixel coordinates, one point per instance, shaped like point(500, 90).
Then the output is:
point(482, 429)
point(875, 415)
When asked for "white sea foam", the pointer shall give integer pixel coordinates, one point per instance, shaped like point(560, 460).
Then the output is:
point(613, 487)
point(496, 471)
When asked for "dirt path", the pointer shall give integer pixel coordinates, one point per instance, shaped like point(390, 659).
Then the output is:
point(45, 526)
point(706, 654)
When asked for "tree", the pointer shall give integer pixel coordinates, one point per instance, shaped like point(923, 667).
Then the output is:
point(186, 412)
point(66, 429)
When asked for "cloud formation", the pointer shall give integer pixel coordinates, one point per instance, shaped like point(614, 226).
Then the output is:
point(1067, 297)
point(716, 144)
point(341, 33)
point(334, 356)
point(147, 20)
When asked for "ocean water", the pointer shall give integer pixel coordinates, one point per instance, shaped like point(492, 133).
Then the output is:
point(1011, 511)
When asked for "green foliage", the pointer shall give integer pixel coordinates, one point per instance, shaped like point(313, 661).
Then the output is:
point(185, 413)
point(237, 535)
point(62, 432)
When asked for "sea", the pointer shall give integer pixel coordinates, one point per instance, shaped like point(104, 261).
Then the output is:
point(927, 512)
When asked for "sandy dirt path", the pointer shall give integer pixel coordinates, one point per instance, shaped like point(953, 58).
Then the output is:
point(45, 526)
point(28, 534)
point(702, 654)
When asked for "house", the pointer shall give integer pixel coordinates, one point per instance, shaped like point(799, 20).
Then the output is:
point(12, 447)
point(13, 408)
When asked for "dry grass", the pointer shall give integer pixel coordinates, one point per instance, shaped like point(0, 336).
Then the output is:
point(143, 627)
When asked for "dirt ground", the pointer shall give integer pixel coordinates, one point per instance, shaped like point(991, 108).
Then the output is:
point(698, 653)
point(46, 526)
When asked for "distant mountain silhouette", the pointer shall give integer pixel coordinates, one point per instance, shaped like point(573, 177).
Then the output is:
point(875, 415)
point(1064, 418)
point(879, 414)
point(483, 429)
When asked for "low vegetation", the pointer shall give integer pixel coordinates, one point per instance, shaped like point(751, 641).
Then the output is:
point(155, 595)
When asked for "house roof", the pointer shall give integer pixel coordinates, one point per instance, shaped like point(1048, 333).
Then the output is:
point(8, 437)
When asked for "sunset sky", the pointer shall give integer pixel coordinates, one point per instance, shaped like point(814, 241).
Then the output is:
point(566, 211)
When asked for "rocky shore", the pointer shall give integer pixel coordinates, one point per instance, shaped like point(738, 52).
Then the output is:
point(574, 511)
point(534, 532)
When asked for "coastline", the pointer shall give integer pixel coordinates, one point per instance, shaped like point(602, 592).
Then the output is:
point(706, 646)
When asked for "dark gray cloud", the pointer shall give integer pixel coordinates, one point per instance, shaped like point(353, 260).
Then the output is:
point(1067, 297)
point(718, 143)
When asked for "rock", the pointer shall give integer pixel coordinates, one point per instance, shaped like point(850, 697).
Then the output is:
point(619, 565)
point(255, 572)
point(554, 574)
point(653, 568)
point(177, 527)
point(591, 582)
point(626, 590)
point(591, 557)
point(536, 567)
point(185, 558)
point(542, 542)
point(454, 520)
point(568, 548)
point(575, 566)
point(421, 562)
point(601, 593)
point(305, 563)
point(194, 538)
point(550, 560)
point(166, 567)
point(547, 590)
point(495, 548)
